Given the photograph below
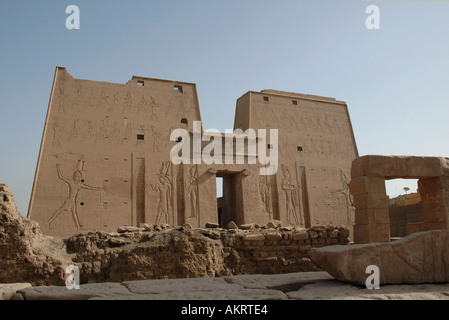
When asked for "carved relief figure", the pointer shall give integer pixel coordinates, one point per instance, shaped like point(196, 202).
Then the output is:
point(61, 98)
point(344, 190)
point(141, 108)
point(101, 131)
point(56, 134)
point(103, 100)
point(193, 192)
point(90, 131)
point(291, 196)
point(154, 111)
point(127, 133)
point(91, 98)
point(164, 189)
point(116, 131)
point(75, 185)
point(127, 103)
point(156, 136)
point(265, 194)
point(75, 130)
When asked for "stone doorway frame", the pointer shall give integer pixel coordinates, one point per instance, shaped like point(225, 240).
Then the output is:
point(367, 186)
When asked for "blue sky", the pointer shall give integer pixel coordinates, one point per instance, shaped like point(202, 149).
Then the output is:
point(395, 80)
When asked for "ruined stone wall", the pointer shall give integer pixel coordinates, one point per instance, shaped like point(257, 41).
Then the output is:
point(153, 252)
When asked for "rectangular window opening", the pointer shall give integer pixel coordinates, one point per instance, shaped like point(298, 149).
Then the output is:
point(184, 121)
point(294, 102)
point(266, 99)
point(178, 88)
point(140, 137)
point(299, 148)
point(140, 83)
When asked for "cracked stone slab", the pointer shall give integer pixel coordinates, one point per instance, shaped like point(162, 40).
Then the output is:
point(277, 281)
point(8, 290)
point(337, 290)
point(86, 291)
point(219, 294)
point(418, 258)
point(174, 285)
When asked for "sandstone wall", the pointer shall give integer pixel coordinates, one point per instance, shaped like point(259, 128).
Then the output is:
point(153, 252)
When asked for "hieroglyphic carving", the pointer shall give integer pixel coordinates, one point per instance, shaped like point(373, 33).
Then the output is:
point(56, 133)
point(164, 189)
point(115, 132)
point(156, 137)
point(75, 184)
point(154, 110)
point(349, 203)
point(74, 132)
point(291, 197)
point(127, 133)
point(61, 100)
point(102, 132)
point(103, 99)
point(90, 131)
point(127, 105)
point(192, 190)
point(142, 106)
point(265, 194)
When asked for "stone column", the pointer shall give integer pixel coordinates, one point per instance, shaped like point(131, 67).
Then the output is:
point(372, 221)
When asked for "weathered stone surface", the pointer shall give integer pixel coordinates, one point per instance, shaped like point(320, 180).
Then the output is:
point(8, 290)
point(247, 226)
point(232, 225)
point(123, 229)
point(273, 236)
point(293, 286)
point(372, 222)
point(212, 225)
point(274, 224)
point(136, 253)
point(419, 258)
point(27, 255)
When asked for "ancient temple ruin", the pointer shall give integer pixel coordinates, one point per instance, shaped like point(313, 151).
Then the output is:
point(105, 158)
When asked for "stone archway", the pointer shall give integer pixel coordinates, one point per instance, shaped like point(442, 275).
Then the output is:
point(368, 175)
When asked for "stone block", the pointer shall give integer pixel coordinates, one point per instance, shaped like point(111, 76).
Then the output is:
point(427, 264)
point(274, 224)
point(363, 185)
point(254, 237)
point(212, 225)
point(232, 225)
point(422, 167)
point(313, 234)
point(374, 165)
point(300, 236)
point(413, 227)
point(366, 233)
point(371, 200)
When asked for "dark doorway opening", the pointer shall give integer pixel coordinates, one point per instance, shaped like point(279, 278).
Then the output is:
point(230, 205)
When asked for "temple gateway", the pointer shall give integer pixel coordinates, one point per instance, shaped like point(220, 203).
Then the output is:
point(105, 158)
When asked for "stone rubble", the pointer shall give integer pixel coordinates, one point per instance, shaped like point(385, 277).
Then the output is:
point(153, 252)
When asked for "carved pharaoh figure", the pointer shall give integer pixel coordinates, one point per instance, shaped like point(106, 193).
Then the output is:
point(75, 184)
point(193, 191)
point(164, 189)
point(265, 194)
point(291, 196)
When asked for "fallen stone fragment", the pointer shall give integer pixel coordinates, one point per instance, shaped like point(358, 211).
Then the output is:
point(124, 229)
point(232, 225)
point(212, 225)
point(419, 258)
point(274, 224)
point(8, 290)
